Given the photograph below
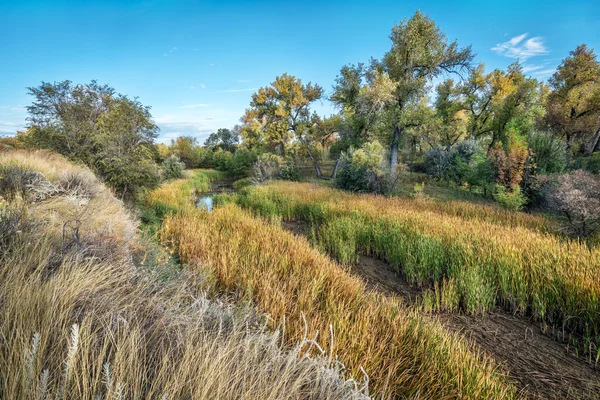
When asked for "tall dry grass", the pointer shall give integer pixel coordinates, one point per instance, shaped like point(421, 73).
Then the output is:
point(75, 325)
point(488, 260)
point(405, 354)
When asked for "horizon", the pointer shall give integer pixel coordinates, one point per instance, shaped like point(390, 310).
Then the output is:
point(198, 63)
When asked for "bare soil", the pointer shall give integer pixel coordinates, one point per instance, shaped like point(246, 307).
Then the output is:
point(538, 365)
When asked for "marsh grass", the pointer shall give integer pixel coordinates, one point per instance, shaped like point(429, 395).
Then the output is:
point(491, 256)
point(405, 354)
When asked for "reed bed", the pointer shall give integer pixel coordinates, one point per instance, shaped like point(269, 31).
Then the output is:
point(485, 261)
point(78, 325)
point(406, 355)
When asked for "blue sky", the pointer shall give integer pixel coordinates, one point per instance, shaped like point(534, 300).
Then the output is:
point(198, 62)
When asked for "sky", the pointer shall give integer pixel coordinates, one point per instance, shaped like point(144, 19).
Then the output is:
point(197, 63)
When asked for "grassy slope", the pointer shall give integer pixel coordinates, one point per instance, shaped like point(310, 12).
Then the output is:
point(79, 320)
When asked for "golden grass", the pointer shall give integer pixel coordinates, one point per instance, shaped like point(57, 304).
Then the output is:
point(73, 326)
point(405, 354)
point(497, 258)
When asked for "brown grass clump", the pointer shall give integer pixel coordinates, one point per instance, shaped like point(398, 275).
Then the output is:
point(405, 354)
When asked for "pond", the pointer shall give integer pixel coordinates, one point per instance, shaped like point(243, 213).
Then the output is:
point(206, 202)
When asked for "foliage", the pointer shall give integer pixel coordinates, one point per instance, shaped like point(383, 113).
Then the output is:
point(510, 162)
point(573, 106)
point(362, 170)
point(437, 161)
point(290, 172)
point(591, 163)
point(549, 154)
point(239, 164)
point(224, 138)
point(511, 199)
point(266, 167)
point(295, 283)
point(577, 197)
point(89, 123)
point(172, 168)
point(481, 173)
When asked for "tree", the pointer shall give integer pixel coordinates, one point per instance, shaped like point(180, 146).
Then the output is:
point(573, 106)
point(224, 138)
point(280, 112)
point(89, 123)
point(419, 53)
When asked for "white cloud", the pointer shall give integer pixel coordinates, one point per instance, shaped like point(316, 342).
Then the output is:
point(243, 81)
point(531, 68)
point(198, 105)
point(518, 47)
point(236, 90)
point(544, 73)
point(203, 86)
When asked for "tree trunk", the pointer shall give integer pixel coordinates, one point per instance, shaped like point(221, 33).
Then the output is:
point(594, 144)
point(315, 164)
point(335, 169)
point(394, 148)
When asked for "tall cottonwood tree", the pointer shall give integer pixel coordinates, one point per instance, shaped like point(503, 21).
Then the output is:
point(281, 112)
point(419, 53)
point(573, 106)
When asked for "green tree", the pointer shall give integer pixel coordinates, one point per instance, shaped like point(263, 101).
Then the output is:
point(224, 139)
point(280, 112)
point(89, 123)
point(419, 53)
point(573, 106)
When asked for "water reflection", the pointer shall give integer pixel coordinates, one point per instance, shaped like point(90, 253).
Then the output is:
point(205, 202)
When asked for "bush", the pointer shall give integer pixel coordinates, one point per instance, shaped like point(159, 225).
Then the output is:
point(549, 153)
point(172, 168)
point(242, 183)
point(480, 172)
point(577, 197)
point(590, 164)
point(437, 161)
point(239, 164)
point(363, 171)
point(290, 172)
point(266, 167)
point(511, 199)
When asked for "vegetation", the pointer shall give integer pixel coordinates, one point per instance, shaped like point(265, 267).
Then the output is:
point(490, 259)
point(172, 168)
point(81, 321)
point(403, 353)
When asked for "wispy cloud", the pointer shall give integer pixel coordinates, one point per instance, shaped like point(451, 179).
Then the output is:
point(197, 105)
point(174, 49)
point(236, 90)
point(518, 47)
point(243, 81)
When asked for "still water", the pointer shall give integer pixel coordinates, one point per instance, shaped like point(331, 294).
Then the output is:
point(205, 202)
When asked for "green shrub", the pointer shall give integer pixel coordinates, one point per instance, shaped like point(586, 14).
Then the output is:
point(290, 172)
point(266, 167)
point(549, 153)
point(511, 199)
point(590, 164)
point(172, 168)
point(363, 170)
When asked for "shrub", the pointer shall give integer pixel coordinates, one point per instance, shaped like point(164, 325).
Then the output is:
point(241, 183)
point(437, 161)
point(172, 168)
point(239, 164)
point(510, 162)
point(363, 171)
point(266, 167)
point(480, 173)
point(465, 149)
point(290, 172)
point(511, 199)
point(577, 197)
point(590, 164)
point(549, 153)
